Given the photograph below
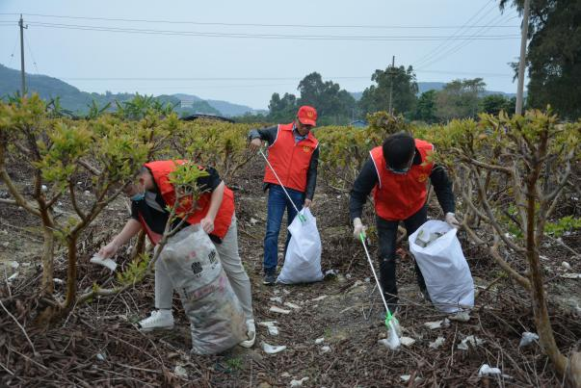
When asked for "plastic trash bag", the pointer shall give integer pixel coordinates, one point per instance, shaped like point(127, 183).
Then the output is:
point(303, 257)
point(447, 275)
point(217, 320)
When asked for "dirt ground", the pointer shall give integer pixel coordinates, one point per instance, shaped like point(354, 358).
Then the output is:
point(98, 344)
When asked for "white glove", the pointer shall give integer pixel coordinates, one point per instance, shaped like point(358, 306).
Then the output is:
point(452, 220)
point(359, 228)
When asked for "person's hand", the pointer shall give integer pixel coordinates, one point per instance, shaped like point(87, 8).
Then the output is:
point(108, 250)
point(207, 225)
point(255, 144)
point(359, 228)
point(307, 203)
point(452, 220)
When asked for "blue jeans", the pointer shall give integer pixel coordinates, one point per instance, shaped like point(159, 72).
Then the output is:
point(276, 205)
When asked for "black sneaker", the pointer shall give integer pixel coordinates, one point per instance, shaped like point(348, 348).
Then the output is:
point(269, 279)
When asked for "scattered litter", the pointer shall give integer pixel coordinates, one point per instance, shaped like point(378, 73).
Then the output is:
point(331, 272)
point(276, 299)
point(285, 375)
point(437, 343)
point(407, 341)
point(357, 283)
point(14, 264)
point(279, 310)
point(270, 325)
point(100, 356)
point(486, 370)
point(319, 298)
point(180, 372)
point(319, 341)
point(253, 221)
point(292, 305)
point(87, 193)
point(325, 349)
point(348, 276)
point(367, 280)
point(527, 338)
point(566, 265)
point(299, 383)
point(272, 349)
point(58, 281)
point(571, 276)
point(276, 291)
point(392, 342)
point(438, 324)
point(43, 188)
point(474, 341)
point(12, 277)
point(406, 378)
point(286, 292)
point(461, 316)
point(112, 265)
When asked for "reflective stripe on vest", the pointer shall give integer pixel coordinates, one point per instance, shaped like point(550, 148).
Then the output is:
point(290, 160)
point(397, 197)
point(161, 170)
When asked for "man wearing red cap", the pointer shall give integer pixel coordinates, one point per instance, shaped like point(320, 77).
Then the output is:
point(293, 154)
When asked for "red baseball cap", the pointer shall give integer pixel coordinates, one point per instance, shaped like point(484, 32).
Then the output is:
point(307, 115)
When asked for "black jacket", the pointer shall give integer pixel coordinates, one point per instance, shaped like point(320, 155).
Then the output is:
point(368, 179)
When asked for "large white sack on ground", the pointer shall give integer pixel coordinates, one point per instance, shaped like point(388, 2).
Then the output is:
point(446, 272)
point(217, 320)
point(303, 257)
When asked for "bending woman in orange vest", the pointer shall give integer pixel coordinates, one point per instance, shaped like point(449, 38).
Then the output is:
point(397, 174)
point(215, 215)
point(294, 155)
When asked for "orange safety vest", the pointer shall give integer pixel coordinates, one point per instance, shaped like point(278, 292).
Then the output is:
point(396, 196)
point(160, 171)
point(290, 160)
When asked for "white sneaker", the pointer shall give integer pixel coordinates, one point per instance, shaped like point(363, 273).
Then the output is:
point(251, 334)
point(159, 319)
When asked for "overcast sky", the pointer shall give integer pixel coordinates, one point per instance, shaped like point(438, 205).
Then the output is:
point(254, 43)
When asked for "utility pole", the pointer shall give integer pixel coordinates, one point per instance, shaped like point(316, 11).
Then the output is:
point(22, 74)
point(521, 74)
point(391, 82)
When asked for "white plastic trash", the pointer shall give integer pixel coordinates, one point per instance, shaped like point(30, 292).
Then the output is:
point(303, 257)
point(96, 259)
point(528, 338)
point(443, 265)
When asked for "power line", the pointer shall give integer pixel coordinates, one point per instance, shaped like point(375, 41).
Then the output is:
point(447, 53)
point(222, 24)
point(235, 79)
point(269, 36)
point(442, 45)
point(31, 54)
point(13, 51)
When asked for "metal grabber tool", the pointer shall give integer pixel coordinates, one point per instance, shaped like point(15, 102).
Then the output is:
point(393, 341)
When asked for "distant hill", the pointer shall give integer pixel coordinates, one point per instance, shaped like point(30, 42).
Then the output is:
point(426, 86)
point(77, 101)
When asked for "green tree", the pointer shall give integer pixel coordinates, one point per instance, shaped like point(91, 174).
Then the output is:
point(459, 99)
point(284, 109)
point(495, 103)
point(334, 105)
point(426, 107)
point(404, 90)
point(553, 55)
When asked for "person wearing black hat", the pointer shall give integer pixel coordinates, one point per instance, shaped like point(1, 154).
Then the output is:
point(397, 173)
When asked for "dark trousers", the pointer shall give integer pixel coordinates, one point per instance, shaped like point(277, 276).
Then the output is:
point(387, 233)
